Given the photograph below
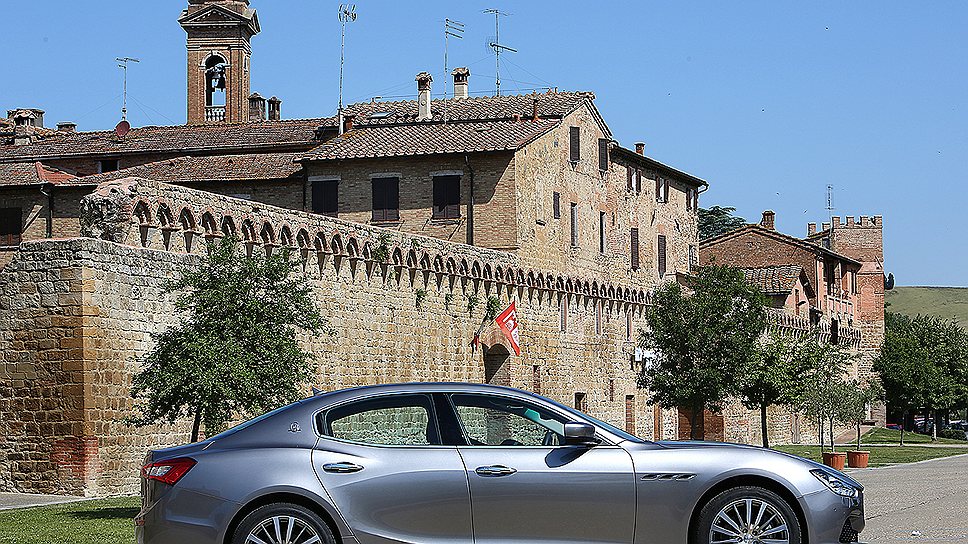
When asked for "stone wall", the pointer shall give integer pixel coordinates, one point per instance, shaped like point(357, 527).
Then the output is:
point(404, 308)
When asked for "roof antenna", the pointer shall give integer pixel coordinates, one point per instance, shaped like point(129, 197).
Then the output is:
point(123, 65)
point(451, 29)
point(830, 202)
point(347, 14)
point(497, 47)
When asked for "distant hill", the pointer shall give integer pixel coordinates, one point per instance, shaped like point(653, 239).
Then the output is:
point(947, 302)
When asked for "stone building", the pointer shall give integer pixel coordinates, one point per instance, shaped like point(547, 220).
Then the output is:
point(831, 281)
point(410, 224)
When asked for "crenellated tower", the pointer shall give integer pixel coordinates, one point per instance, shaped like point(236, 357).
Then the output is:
point(219, 52)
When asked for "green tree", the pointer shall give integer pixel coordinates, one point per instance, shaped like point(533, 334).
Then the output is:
point(717, 220)
point(775, 376)
point(825, 390)
point(702, 340)
point(234, 352)
point(923, 364)
point(859, 397)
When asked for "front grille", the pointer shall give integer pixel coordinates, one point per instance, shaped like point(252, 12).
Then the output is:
point(848, 534)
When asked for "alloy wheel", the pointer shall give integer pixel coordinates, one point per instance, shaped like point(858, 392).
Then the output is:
point(749, 521)
point(283, 530)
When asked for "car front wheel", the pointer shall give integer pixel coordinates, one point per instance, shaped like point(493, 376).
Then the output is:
point(747, 515)
point(283, 523)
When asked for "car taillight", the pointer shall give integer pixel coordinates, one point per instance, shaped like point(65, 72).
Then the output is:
point(168, 471)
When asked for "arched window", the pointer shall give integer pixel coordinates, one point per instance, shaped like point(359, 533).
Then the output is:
point(215, 68)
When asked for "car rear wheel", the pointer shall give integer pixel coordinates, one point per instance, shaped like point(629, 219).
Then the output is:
point(283, 523)
point(747, 515)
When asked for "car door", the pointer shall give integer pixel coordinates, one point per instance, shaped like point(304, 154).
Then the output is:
point(382, 463)
point(526, 486)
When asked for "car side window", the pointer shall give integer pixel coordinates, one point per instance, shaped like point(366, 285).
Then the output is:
point(396, 420)
point(499, 421)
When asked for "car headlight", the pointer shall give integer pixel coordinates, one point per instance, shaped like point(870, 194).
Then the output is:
point(836, 484)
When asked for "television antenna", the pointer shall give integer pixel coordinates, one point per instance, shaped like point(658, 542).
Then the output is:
point(123, 65)
point(347, 14)
point(452, 29)
point(498, 47)
point(830, 201)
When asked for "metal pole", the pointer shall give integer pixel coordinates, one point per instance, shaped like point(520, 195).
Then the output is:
point(347, 13)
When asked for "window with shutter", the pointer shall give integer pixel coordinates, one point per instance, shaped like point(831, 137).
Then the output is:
point(638, 181)
point(556, 205)
point(574, 224)
point(665, 190)
point(628, 170)
point(603, 154)
point(10, 225)
point(688, 199)
point(325, 197)
point(661, 250)
point(386, 199)
point(446, 197)
point(574, 144)
point(634, 248)
point(658, 189)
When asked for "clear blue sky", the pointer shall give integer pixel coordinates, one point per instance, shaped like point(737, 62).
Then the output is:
point(768, 101)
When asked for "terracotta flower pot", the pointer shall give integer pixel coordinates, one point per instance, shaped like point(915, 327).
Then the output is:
point(858, 459)
point(834, 459)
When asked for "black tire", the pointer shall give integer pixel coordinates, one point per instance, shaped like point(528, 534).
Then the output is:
point(305, 518)
point(707, 515)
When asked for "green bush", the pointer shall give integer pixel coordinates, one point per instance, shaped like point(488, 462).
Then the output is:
point(953, 434)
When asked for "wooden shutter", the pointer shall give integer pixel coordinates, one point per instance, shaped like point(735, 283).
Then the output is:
point(556, 205)
point(574, 225)
point(10, 225)
point(638, 180)
point(658, 189)
point(601, 232)
point(386, 199)
point(446, 197)
point(662, 254)
point(634, 248)
point(665, 190)
point(325, 197)
point(574, 144)
point(603, 154)
point(628, 170)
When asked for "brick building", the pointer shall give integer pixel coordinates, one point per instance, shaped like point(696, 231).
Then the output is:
point(404, 219)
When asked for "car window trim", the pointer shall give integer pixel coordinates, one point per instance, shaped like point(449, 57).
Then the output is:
point(319, 420)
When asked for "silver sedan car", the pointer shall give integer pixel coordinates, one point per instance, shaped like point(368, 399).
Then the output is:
point(464, 463)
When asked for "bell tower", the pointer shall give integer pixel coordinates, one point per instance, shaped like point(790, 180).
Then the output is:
point(219, 32)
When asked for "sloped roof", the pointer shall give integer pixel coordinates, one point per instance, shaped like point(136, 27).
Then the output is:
point(474, 124)
point(756, 228)
point(254, 166)
point(776, 280)
point(32, 173)
point(649, 162)
point(174, 138)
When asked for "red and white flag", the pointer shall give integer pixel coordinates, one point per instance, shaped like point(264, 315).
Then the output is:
point(508, 321)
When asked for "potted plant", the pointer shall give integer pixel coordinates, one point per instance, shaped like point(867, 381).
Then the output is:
point(857, 400)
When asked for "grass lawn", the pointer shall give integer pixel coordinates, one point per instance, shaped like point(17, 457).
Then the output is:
point(101, 521)
point(879, 435)
point(880, 455)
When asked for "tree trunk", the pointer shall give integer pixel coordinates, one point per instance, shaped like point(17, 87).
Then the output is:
point(904, 415)
point(766, 440)
point(934, 425)
point(858, 436)
point(820, 431)
point(196, 424)
point(833, 446)
point(695, 433)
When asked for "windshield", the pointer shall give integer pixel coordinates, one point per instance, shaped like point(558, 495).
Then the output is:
point(607, 426)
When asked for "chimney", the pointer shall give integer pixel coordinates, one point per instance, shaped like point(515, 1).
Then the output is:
point(768, 221)
point(423, 96)
point(640, 148)
point(66, 126)
point(811, 229)
point(275, 109)
point(460, 81)
point(257, 108)
point(534, 108)
point(30, 117)
point(348, 122)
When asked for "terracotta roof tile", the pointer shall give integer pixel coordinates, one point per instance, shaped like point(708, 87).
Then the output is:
point(32, 173)
point(175, 138)
point(254, 166)
point(774, 280)
point(478, 108)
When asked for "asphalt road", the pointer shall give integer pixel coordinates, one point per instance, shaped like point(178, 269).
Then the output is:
point(918, 502)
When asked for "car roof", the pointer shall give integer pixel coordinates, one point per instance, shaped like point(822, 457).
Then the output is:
point(413, 387)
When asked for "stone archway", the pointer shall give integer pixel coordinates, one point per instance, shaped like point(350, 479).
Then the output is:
point(497, 365)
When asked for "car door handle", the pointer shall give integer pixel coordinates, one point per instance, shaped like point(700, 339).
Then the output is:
point(342, 468)
point(495, 470)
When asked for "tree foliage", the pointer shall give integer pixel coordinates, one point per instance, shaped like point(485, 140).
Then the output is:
point(717, 220)
point(924, 363)
point(234, 352)
point(775, 376)
point(826, 392)
point(703, 340)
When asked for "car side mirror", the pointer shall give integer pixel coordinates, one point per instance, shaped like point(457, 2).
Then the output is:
point(580, 434)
